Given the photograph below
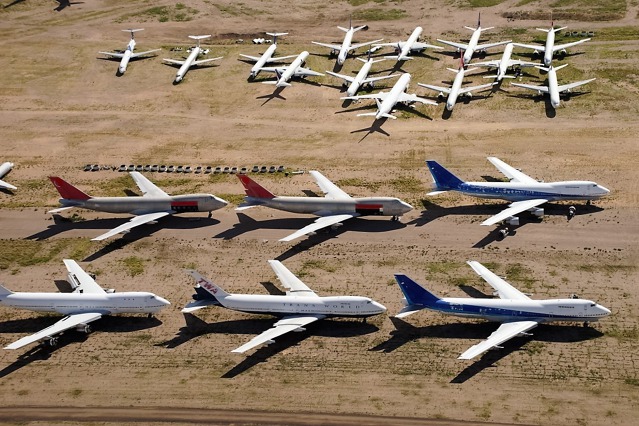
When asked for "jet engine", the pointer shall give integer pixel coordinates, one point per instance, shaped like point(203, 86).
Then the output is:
point(537, 212)
point(83, 328)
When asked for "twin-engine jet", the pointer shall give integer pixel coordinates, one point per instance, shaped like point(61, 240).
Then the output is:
point(334, 208)
point(405, 48)
point(342, 50)
point(504, 63)
point(5, 168)
point(88, 302)
point(362, 77)
point(267, 57)
point(550, 48)
point(295, 69)
point(525, 192)
point(128, 53)
point(298, 308)
point(191, 60)
point(148, 208)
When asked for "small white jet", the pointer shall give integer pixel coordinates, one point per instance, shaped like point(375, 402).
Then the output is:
point(517, 312)
point(504, 63)
point(298, 308)
point(386, 100)
point(88, 302)
point(342, 50)
point(550, 48)
point(5, 168)
point(362, 77)
point(267, 57)
point(128, 53)
point(472, 46)
point(405, 48)
point(295, 69)
point(191, 60)
point(553, 89)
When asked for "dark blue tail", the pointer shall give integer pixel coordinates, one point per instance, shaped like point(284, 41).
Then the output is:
point(415, 294)
point(444, 180)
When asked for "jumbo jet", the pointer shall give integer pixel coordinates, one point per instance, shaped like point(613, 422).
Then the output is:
point(517, 312)
point(473, 44)
point(387, 100)
point(550, 48)
point(148, 208)
point(342, 50)
point(405, 48)
point(267, 57)
point(128, 54)
point(334, 208)
point(295, 69)
point(504, 63)
point(362, 77)
point(525, 192)
point(5, 168)
point(88, 302)
point(298, 308)
point(554, 90)
point(191, 60)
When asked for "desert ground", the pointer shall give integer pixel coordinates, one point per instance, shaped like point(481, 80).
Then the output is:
point(62, 107)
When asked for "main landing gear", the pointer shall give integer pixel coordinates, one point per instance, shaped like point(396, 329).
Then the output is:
point(395, 219)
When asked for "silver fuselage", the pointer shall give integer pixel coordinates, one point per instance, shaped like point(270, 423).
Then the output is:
point(188, 62)
point(124, 62)
point(382, 206)
point(142, 205)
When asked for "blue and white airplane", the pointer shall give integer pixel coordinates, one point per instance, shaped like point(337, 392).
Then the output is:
point(517, 312)
point(525, 192)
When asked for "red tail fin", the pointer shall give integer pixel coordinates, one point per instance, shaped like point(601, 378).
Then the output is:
point(67, 190)
point(253, 189)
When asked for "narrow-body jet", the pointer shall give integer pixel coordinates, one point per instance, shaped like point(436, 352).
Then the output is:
point(287, 72)
point(342, 50)
point(267, 57)
point(550, 47)
point(502, 65)
point(128, 53)
point(191, 60)
point(553, 90)
point(405, 48)
point(355, 83)
point(5, 168)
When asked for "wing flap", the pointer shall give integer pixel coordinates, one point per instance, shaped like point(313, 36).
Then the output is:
point(283, 326)
point(64, 324)
point(136, 221)
point(505, 332)
point(85, 284)
point(320, 223)
point(513, 209)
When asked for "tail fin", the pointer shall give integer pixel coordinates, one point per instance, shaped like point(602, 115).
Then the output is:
point(68, 191)
point(444, 180)
point(4, 291)
point(479, 20)
point(215, 290)
point(415, 294)
point(253, 189)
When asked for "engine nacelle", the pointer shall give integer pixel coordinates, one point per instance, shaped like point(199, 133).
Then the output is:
point(299, 329)
point(537, 212)
point(83, 328)
point(512, 220)
point(336, 225)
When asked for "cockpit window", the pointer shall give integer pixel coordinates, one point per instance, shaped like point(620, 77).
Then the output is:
point(593, 305)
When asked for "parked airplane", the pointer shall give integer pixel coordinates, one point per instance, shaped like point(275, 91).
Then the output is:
point(386, 100)
point(473, 44)
point(295, 69)
point(504, 63)
point(88, 302)
point(525, 192)
point(267, 57)
point(405, 48)
point(342, 50)
point(335, 207)
point(148, 208)
point(128, 54)
point(298, 308)
point(191, 60)
point(5, 168)
point(550, 48)
point(553, 89)
point(362, 76)
point(515, 310)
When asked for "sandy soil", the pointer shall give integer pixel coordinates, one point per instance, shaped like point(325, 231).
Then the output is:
point(63, 107)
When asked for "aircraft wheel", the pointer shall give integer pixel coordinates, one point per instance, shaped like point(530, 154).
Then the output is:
point(52, 342)
point(87, 329)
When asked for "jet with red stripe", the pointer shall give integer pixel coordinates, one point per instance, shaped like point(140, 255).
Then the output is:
point(151, 206)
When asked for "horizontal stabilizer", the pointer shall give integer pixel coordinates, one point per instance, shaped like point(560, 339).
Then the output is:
point(199, 304)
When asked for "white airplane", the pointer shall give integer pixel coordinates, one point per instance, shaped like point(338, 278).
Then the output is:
point(525, 192)
point(515, 310)
point(550, 48)
point(88, 302)
point(128, 54)
point(5, 168)
point(553, 89)
point(298, 308)
point(342, 50)
point(267, 57)
point(191, 60)
point(405, 48)
point(472, 46)
point(386, 100)
point(295, 69)
point(504, 63)
point(362, 77)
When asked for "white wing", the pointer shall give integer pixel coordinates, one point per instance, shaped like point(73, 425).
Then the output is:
point(331, 190)
point(57, 328)
point(475, 88)
point(536, 47)
point(204, 61)
point(113, 54)
point(136, 221)
point(513, 209)
point(505, 332)
point(557, 47)
point(280, 58)
point(510, 172)
point(342, 76)
point(329, 45)
point(252, 58)
point(147, 187)
point(435, 88)
point(135, 55)
point(374, 79)
point(294, 285)
point(305, 71)
point(6, 185)
point(381, 96)
point(174, 61)
point(320, 223)
point(461, 46)
point(405, 97)
point(420, 46)
point(85, 284)
point(489, 45)
point(358, 45)
point(283, 326)
point(492, 64)
point(569, 86)
point(504, 290)
point(542, 89)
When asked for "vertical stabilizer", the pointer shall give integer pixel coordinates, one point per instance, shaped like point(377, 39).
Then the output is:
point(215, 290)
point(68, 191)
point(4, 291)
point(253, 189)
point(444, 180)
point(414, 293)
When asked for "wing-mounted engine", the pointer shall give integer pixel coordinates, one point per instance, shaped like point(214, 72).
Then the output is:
point(537, 212)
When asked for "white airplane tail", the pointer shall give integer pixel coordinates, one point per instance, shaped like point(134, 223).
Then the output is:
point(133, 30)
point(4, 291)
point(275, 36)
point(200, 37)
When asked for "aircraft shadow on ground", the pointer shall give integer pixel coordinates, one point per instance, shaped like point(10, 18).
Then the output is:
point(63, 4)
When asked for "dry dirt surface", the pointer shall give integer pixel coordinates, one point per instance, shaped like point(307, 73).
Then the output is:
point(62, 106)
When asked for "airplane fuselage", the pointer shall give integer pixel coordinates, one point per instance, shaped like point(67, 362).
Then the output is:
point(188, 62)
point(472, 45)
point(505, 60)
point(454, 89)
point(380, 206)
point(346, 46)
point(290, 70)
point(552, 191)
point(549, 48)
point(553, 88)
point(5, 168)
point(255, 70)
point(398, 88)
point(359, 78)
point(140, 205)
point(124, 62)
point(407, 48)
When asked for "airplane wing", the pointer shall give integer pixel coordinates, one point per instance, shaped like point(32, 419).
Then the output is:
point(294, 285)
point(557, 47)
point(135, 55)
point(358, 45)
point(381, 96)
point(405, 97)
point(136, 221)
point(329, 45)
point(204, 61)
point(342, 76)
point(513, 209)
point(569, 86)
point(510, 172)
point(252, 58)
point(199, 304)
point(505, 332)
point(283, 326)
point(331, 190)
point(374, 79)
point(85, 284)
point(492, 64)
point(305, 71)
point(147, 187)
point(173, 61)
point(475, 88)
point(542, 89)
point(419, 46)
point(6, 185)
point(504, 290)
point(280, 58)
point(435, 88)
point(113, 54)
point(489, 45)
point(536, 47)
point(279, 70)
point(520, 63)
point(462, 46)
point(320, 223)
point(64, 324)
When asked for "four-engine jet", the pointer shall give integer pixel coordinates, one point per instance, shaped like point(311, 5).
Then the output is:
point(342, 50)
point(128, 54)
point(88, 302)
point(405, 48)
point(516, 311)
point(191, 60)
point(295, 69)
point(504, 63)
point(5, 168)
point(525, 192)
point(335, 207)
point(298, 308)
point(267, 57)
point(147, 208)
point(362, 76)
point(550, 48)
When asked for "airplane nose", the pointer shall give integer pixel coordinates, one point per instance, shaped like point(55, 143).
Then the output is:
point(605, 310)
point(163, 301)
point(220, 201)
point(406, 207)
point(604, 189)
point(379, 306)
